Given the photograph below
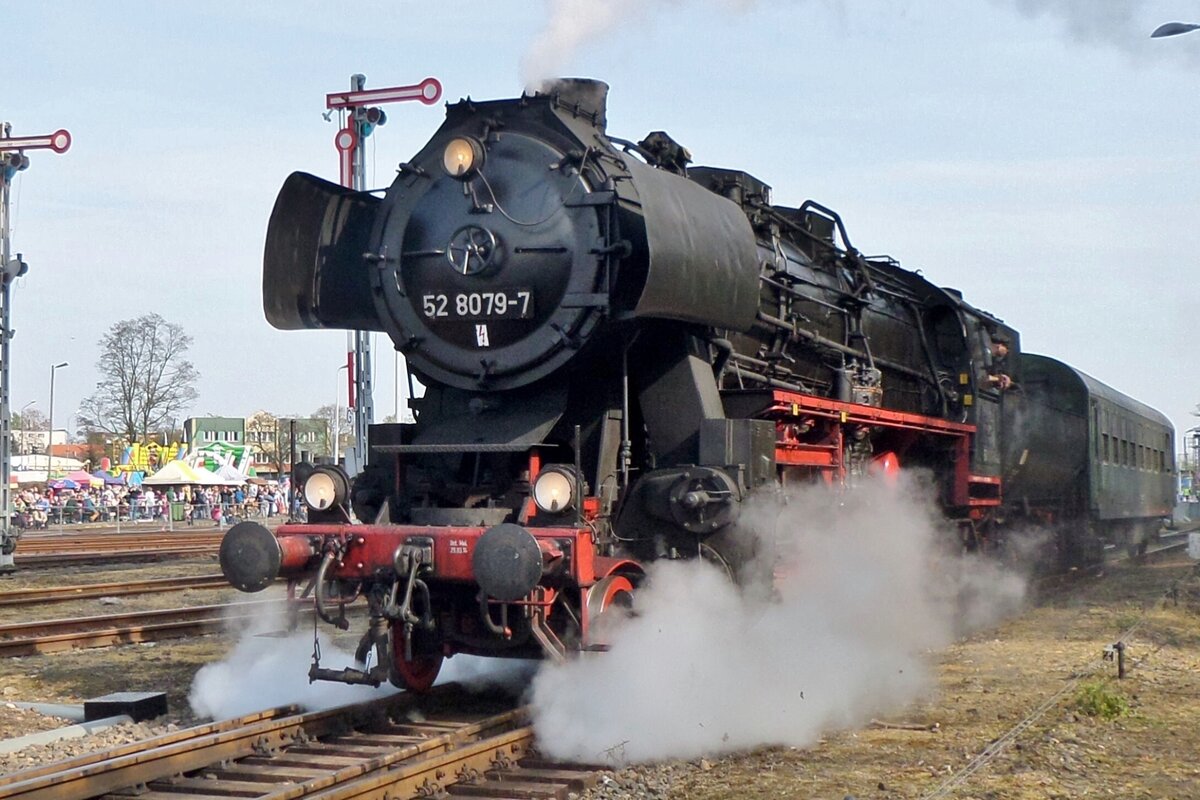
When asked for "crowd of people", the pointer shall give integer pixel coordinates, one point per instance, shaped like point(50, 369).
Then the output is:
point(33, 509)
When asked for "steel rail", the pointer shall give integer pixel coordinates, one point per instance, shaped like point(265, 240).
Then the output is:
point(58, 594)
point(278, 755)
point(51, 636)
point(69, 543)
point(175, 737)
point(104, 556)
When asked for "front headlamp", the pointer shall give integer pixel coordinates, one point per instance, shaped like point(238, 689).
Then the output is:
point(325, 488)
point(462, 157)
point(554, 489)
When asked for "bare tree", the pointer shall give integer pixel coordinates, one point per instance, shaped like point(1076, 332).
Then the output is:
point(345, 429)
point(147, 378)
point(31, 420)
point(267, 434)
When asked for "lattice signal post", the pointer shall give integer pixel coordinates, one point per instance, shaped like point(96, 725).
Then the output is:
point(12, 161)
point(359, 115)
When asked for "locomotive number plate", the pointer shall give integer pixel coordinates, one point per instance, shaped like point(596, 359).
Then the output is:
point(509, 304)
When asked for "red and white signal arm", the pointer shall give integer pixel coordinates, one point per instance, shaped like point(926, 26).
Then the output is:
point(345, 141)
point(428, 91)
point(59, 142)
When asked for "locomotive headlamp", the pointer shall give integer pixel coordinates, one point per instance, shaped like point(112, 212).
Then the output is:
point(325, 488)
point(462, 157)
point(554, 489)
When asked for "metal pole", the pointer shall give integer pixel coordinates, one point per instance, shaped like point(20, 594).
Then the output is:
point(8, 540)
point(292, 470)
point(50, 423)
point(337, 412)
point(50, 428)
point(364, 388)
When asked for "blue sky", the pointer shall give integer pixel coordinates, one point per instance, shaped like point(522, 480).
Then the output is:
point(1043, 157)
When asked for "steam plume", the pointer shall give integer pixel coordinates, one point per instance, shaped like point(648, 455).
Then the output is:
point(705, 668)
point(571, 23)
point(265, 670)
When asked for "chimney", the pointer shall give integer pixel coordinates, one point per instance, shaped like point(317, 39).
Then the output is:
point(590, 95)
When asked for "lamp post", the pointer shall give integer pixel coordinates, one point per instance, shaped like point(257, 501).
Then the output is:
point(337, 411)
point(1173, 29)
point(50, 421)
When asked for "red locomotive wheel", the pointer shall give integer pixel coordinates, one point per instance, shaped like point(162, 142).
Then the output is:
point(614, 591)
point(417, 675)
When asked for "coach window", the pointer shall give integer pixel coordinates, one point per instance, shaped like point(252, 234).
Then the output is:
point(1104, 452)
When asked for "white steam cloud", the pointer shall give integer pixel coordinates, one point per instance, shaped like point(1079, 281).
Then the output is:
point(573, 24)
point(266, 669)
point(570, 24)
point(866, 585)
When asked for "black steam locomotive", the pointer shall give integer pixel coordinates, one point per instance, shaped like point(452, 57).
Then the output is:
point(619, 349)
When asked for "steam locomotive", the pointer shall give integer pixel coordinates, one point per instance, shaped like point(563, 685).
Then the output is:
point(620, 349)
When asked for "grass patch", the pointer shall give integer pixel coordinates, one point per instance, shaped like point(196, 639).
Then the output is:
point(1099, 699)
point(1127, 620)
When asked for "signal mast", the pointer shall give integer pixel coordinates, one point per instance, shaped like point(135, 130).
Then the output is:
point(12, 161)
point(360, 115)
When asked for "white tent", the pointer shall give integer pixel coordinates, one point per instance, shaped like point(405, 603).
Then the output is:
point(41, 462)
point(176, 473)
point(231, 476)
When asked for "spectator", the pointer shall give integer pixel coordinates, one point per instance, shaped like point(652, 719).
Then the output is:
point(89, 512)
point(41, 512)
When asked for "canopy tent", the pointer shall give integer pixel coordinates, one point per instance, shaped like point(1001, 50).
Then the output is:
point(62, 483)
point(84, 478)
point(231, 476)
point(177, 473)
point(110, 479)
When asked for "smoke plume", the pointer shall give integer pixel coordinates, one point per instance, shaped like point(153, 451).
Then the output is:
point(864, 584)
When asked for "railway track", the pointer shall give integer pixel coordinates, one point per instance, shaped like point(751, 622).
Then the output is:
point(74, 540)
point(59, 635)
point(397, 748)
point(49, 550)
point(1167, 543)
point(59, 594)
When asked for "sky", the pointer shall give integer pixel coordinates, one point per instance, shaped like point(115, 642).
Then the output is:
point(1041, 156)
